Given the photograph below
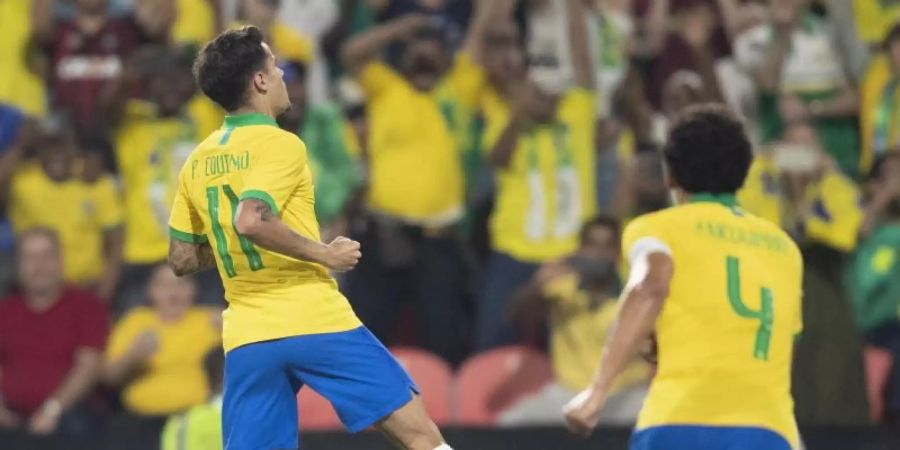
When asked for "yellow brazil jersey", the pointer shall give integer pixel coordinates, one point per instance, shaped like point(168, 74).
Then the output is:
point(19, 86)
point(150, 151)
point(726, 331)
point(174, 378)
point(578, 332)
point(416, 172)
point(879, 112)
point(269, 295)
point(79, 212)
point(548, 190)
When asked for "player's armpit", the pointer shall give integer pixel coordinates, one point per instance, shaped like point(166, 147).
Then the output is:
point(186, 258)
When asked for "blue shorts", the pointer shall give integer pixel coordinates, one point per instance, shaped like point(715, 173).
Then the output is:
point(695, 437)
point(351, 369)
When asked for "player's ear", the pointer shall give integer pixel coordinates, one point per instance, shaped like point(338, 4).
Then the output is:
point(261, 82)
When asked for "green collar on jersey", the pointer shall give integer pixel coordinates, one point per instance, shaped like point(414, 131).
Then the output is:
point(724, 199)
point(243, 120)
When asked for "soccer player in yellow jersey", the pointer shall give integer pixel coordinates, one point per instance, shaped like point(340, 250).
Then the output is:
point(245, 204)
point(722, 290)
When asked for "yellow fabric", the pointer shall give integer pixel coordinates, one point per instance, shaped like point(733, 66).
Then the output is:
point(79, 212)
point(836, 213)
point(871, 91)
point(414, 161)
point(578, 333)
point(281, 296)
point(19, 87)
point(150, 151)
point(832, 213)
point(710, 372)
point(760, 194)
point(195, 23)
point(287, 44)
point(173, 378)
point(511, 215)
point(874, 19)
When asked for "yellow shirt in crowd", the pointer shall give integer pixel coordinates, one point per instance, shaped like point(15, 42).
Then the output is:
point(578, 332)
point(726, 331)
point(269, 295)
point(874, 18)
point(287, 44)
point(551, 163)
point(78, 211)
point(195, 23)
point(173, 378)
point(832, 214)
point(150, 152)
point(19, 87)
point(414, 160)
point(879, 112)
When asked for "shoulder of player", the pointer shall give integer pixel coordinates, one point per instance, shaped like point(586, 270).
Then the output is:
point(663, 216)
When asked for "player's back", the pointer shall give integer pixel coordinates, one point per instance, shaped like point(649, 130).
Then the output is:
point(270, 295)
point(725, 334)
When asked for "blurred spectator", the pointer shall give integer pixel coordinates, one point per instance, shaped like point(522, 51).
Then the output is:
point(155, 353)
point(200, 428)
point(801, 77)
point(873, 276)
point(880, 101)
point(543, 152)
point(286, 43)
point(579, 296)
point(333, 150)
point(153, 138)
point(642, 188)
point(196, 22)
point(313, 18)
point(415, 192)
point(89, 50)
point(58, 192)
point(797, 185)
point(51, 337)
point(614, 36)
point(874, 19)
point(21, 85)
point(15, 132)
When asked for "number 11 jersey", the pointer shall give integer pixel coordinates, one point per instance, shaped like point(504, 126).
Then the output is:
point(269, 295)
point(726, 332)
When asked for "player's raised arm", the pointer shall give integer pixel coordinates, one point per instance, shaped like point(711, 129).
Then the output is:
point(642, 301)
point(256, 220)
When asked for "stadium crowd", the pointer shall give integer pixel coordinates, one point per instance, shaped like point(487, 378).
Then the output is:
point(486, 153)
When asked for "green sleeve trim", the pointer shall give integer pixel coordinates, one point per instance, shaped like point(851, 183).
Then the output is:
point(187, 237)
point(260, 195)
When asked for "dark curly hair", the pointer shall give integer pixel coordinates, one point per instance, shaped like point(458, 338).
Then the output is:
point(227, 63)
point(707, 150)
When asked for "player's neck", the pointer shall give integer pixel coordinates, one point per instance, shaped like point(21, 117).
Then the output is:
point(254, 109)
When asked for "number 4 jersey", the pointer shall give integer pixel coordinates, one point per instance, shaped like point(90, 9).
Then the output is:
point(269, 295)
point(726, 332)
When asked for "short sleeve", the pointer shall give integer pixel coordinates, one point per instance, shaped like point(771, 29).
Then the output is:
point(643, 236)
point(376, 78)
point(185, 223)
point(467, 80)
point(93, 323)
point(109, 207)
point(277, 171)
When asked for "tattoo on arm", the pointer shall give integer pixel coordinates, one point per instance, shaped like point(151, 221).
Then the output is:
point(186, 258)
point(263, 209)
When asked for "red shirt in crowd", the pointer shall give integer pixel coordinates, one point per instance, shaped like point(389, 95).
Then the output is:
point(83, 63)
point(37, 349)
